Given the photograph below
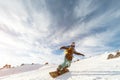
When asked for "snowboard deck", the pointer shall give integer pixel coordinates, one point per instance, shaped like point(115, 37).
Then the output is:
point(55, 74)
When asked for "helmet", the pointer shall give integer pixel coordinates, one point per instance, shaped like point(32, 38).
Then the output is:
point(73, 44)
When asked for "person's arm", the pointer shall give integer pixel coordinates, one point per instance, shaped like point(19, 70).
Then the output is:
point(64, 47)
point(78, 53)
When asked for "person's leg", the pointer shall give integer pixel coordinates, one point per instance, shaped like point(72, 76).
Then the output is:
point(68, 63)
point(60, 67)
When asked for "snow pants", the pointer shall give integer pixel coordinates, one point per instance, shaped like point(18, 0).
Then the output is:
point(65, 64)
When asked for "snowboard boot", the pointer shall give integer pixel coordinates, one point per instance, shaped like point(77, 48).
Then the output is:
point(59, 69)
point(65, 68)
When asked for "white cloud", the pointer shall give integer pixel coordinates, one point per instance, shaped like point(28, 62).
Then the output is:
point(84, 8)
point(96, 43)
point(26, 34)
point(17, 37)
point(89, 41)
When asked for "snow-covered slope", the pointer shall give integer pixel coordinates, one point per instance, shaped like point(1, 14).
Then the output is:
point(19, 69)
point(94, 68)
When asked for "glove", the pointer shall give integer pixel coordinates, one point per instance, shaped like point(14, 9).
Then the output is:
point(60, 48)
point(82, 54)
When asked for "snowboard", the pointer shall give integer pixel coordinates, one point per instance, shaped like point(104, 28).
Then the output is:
point(55, 74)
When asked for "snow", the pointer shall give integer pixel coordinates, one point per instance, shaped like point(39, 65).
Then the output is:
point(94, 68)
point(19, 69)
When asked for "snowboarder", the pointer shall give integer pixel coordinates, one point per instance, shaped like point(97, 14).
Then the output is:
point(69, 51)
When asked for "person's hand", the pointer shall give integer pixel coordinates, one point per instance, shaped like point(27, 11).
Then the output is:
point(60, 48)
point(82, 54)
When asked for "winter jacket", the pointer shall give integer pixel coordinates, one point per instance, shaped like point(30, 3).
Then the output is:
point(70, 51)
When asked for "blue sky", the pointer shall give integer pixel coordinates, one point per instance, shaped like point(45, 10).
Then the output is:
point(32, 31)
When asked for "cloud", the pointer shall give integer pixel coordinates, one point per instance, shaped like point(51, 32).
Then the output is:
point(94, 33)
point(33, 31)
point(18, 35)
point(84, 8)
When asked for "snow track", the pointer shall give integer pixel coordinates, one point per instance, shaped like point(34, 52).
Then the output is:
point(92, 73)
